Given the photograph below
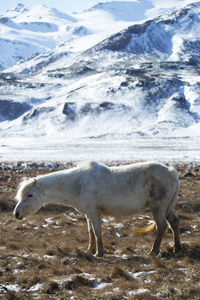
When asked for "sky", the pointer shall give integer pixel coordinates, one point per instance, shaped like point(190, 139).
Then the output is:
point(63, 5)
point(69, 6)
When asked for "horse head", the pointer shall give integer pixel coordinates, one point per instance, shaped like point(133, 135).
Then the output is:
point(29, 197)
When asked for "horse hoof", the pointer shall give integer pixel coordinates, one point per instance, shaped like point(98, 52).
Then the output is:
point(99, 254)
point(177, 249)
point(153, 253)
point(90, 251)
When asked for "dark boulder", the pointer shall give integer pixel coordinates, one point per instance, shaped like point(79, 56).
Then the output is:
point(69, 110)
point(36, 112)
point(10, 110)
point(72, 111)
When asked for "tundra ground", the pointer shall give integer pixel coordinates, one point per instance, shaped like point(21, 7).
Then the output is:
point(43, 257)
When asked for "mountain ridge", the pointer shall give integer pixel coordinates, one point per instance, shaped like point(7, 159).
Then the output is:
point(125, 10)
point(158, 37)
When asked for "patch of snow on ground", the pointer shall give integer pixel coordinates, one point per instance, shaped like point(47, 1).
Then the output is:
point(139, 291)
point(138, 274)
point(102, 285)
point(36, 287)
point(9, 287)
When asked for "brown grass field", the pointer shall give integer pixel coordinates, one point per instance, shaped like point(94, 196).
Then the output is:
point(43, 257)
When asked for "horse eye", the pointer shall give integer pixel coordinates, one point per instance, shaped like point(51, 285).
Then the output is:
point(29, 196)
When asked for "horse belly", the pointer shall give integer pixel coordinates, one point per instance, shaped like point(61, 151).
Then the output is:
point(124, 207)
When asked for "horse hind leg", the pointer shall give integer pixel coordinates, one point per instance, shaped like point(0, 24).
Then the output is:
point(173, 221)
point(161, 227)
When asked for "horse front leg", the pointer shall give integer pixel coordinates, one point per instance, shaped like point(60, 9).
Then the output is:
point(94, 217)
point(92, 240)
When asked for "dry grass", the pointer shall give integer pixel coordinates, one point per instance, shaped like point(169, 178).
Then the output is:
point(44, 257)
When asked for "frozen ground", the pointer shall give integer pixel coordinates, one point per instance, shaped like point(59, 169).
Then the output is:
point(176, 149)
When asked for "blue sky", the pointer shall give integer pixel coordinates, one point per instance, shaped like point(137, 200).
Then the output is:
point(79, 5)
point(63, 5)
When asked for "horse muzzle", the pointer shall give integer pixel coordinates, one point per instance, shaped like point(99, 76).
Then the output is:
point(18, 215)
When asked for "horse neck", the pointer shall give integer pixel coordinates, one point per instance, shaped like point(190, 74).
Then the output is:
point(59, 188)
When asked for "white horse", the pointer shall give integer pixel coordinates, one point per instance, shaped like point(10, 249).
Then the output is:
point(95, 189)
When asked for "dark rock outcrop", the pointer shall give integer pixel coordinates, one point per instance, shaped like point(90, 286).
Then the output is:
point(10, 110)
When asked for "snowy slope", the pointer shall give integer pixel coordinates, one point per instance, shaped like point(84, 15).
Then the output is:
point(126, 11)
point(174, 36)
point(131, 87)
point(27, 31)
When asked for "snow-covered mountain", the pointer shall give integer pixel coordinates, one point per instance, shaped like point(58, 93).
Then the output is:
point(173, 37)
point(126, 11)
point(23, 32)
point(133, 86)
point(27, 31)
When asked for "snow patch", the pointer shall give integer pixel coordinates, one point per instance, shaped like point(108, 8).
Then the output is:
point(9, 287)
point(138, 274)
point(139, 291)
point(36, 287)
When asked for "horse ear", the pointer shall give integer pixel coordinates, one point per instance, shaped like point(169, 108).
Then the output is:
point(22, 181)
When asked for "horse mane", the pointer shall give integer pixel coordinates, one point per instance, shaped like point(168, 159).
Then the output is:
point(23, 182)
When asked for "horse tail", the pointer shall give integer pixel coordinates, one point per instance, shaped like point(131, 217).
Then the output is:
point(144, 230)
